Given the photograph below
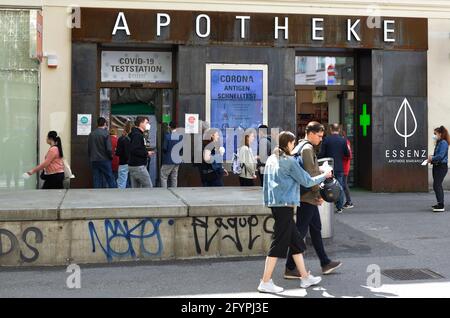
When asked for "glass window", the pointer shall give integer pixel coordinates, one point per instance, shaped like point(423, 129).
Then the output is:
point(324, 70)
point(19, 79)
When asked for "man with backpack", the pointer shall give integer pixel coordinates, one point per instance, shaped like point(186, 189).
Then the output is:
point(308, 216)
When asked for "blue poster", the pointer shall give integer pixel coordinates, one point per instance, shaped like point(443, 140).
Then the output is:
point(236, 99)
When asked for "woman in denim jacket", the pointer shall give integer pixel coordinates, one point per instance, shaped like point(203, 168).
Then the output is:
point(439, 160)
point(282, 178)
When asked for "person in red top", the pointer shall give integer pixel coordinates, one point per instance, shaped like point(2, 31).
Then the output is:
point(116, 159)
point(53, 165)
point(346, 163)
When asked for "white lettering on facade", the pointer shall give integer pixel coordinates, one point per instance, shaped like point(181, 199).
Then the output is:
point(121, 20)
point(208, 26)
point(316, 28)
point(284, 27)
point(159, 22)
point(388, 30)
point(351, 30)
point(242, 18)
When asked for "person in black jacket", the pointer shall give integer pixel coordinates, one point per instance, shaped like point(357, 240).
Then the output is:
point(137, 163)
point(100, 155)
point(123, 152)
point(335, 146)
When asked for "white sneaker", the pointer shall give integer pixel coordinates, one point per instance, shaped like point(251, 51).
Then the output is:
point(310, 281)
point(269, 287)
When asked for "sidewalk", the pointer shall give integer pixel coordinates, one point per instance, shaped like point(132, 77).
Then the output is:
point(393, 231)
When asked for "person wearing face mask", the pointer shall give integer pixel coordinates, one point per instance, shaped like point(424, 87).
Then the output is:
point(100, 155)
point(139, 155)
point(439, 160)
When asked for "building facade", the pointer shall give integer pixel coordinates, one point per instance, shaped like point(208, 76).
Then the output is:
point(379, 71)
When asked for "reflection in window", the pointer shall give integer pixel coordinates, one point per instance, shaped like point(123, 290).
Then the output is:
point(19, 77)
point(324, 70)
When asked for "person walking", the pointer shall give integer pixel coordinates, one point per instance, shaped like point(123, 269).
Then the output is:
point(115, 161)
point(308, 216)
point(170, 161)
point(282, 179)
point(346, 162)
point(211, 169)
point(53, 165)
point(247, 161)
point(137, 163)
point(100, 155)
point(335, 146)
point(123, 152)
point(439, 160)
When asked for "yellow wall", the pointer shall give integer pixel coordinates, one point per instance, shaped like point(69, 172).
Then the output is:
point(438, 76)
point(56, 83)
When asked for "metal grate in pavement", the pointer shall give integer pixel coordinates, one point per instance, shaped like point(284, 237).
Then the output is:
point(411, 274)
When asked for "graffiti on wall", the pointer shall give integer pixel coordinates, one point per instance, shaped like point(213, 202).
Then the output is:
point(234, 225)
point(146, 233)
point(10, 243)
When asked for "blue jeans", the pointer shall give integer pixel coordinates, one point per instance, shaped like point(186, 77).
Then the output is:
point(122, 179)
point(439, 173)
point(100, 170)
point(340, 177)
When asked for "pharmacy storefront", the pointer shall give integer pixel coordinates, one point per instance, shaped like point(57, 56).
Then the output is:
point(241, 70)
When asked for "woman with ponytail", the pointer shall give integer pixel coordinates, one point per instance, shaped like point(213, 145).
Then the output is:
point(439, 160)
point(53, 165)
point(283, 176)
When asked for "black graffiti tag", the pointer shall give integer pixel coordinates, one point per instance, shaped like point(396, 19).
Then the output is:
point(14, 243)
point(233, 223)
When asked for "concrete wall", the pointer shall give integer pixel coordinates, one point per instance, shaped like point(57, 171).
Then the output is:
point(61, 227)
point(438, 81)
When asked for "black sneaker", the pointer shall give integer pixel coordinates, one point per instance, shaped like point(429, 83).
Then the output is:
point(328, 269)
point(292, 274)
point(339, 211)
point(348, 206)
point(435, 206)
point(439, 208)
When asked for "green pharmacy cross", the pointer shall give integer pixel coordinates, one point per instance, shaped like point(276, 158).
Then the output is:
point(364, 120)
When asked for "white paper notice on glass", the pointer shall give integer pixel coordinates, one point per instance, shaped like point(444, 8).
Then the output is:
point(191, 124)
point(425, 162)
point(84, 123)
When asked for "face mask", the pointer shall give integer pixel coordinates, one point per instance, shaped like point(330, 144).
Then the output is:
point(435, 138)
point(147, 127)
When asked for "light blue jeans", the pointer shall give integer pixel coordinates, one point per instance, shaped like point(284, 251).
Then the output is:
point(122, 178)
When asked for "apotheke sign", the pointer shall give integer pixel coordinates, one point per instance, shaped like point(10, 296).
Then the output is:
point(143, 67)
point(280, 27)
point(246, 28)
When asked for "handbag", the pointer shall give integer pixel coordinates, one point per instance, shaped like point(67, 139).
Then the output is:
point(43, 175)
point(67, 171)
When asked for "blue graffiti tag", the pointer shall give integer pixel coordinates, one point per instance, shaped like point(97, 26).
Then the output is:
point(119, 229)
